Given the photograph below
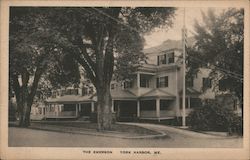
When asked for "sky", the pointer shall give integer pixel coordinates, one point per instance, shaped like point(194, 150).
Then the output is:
point(174, 33)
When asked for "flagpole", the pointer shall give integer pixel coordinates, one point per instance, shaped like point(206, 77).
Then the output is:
point(184, 72)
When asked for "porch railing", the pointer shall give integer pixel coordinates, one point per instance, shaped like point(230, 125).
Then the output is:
point(61, 114)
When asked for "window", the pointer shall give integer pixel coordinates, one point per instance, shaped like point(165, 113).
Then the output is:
point(207, 83)
point(63, 92)
point(165, 105)
point(72, 91)
point(162, 82)
point(148, 105)
point(69, 107)
point(84, 91)
point(53, 94)
point(144, 82)
point(127, 84)
point(171, 58)
point(112, 86)
point(162, 59)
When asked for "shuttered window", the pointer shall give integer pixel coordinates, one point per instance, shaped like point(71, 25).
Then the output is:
point(207, 83)
point(162, 59)
point(171, 58)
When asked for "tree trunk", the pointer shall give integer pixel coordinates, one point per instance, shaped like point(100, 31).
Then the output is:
point(24, 108)
point(25, 98)
point(104, 113)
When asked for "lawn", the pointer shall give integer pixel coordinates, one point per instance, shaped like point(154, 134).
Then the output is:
point(115, 127)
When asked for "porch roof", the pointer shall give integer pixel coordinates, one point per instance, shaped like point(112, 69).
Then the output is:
point(157, 93)
point(70, 99)
point(123, 95)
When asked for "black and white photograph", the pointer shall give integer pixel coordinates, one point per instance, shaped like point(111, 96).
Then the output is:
point(137, 78)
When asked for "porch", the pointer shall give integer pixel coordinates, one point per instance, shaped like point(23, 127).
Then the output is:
point(69, 107)
point(157, 109)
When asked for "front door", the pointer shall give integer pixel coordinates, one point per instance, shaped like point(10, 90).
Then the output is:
point(127, 110)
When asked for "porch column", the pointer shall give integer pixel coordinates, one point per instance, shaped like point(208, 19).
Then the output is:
point(42, 111)
point(138, 108)
point(177, 106)
point(56, 108)
point(112, 106)
point(80, 107)
point(92, 107)
point(138, 80)
point(76, 110)
point(158, 107)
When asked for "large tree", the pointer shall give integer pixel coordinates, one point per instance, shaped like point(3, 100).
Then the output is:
point(34, 50)
point(101, 40)
point(219, 43)
point(98, 38)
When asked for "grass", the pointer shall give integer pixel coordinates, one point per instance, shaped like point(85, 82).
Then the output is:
point(115, 127)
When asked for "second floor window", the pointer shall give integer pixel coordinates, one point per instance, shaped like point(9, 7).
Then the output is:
point(165, 58)
point(84, 91)
point(162, 82)
point(162, 59)
point(127, 84)
point(144, 82)
point(207, 83)
point(171, 58)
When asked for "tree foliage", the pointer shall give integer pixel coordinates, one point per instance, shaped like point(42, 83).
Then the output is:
point(219, 46)
point(34, 50)
point(95, 38)
point(104, 40)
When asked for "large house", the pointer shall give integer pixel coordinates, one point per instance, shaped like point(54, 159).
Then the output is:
point(154, 94)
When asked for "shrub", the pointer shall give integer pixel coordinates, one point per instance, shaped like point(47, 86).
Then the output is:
point(214, 117)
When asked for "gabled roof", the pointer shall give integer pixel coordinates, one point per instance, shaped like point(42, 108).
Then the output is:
point(169, 45)
point(70, 99)
point(122, 94)
point(157, 93)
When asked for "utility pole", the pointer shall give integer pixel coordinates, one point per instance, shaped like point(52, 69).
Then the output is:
point(184, 71)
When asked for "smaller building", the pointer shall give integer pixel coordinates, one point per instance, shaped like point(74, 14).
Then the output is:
point(37, 111)
point(69, 106)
